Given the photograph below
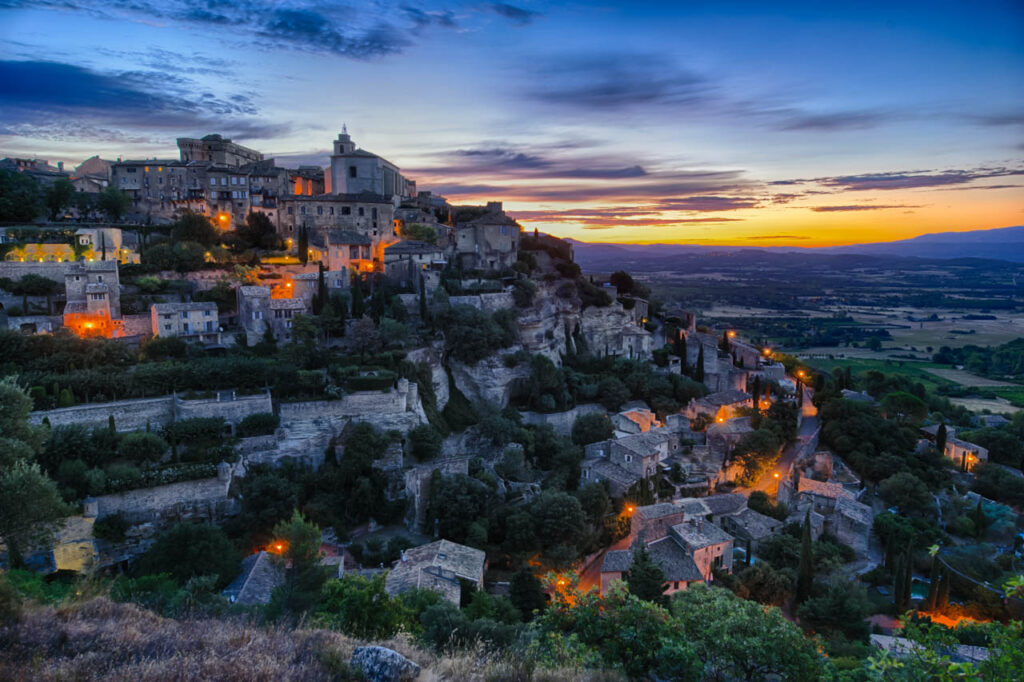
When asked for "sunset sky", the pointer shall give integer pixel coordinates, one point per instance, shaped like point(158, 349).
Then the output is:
point(699, 122)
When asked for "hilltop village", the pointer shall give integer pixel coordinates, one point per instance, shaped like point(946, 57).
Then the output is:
point(323, 390)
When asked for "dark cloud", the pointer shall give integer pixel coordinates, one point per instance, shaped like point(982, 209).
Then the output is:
point(708, 203)
point(312, 31)
point(856, 207)
point(828, 122)
point(616, 81)
point(914, 179)
point(1008, 118)
point(519, 15)
point(54, 99)
point(506, 163)
point(422, 18)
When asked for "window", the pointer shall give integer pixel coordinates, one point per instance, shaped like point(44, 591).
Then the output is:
point(234, 180)
point(346, 210)
point(97, 297)
point(352, 171)
point(224, 180)
point(184, 327)
point(278, 313)
point(184, 315)
point(167, 316)
point(207, 313)
point(373, 213)
point(99, 278)
point(332, 210)
point(628, 458)
point(241, 181)
point(290, 210)
point(504, 230)
point(353, 252)
point(302, 210)
point(167, 327)
point(213, 181)
point(319, 210)
point(209, 326)
point(362, 211)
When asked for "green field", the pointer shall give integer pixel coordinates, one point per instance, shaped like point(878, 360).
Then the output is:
point(914, 370)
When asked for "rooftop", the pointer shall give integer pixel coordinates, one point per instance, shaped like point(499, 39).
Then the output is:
point(698, 534)
point(674, 561)
point(729, 397)
point(260, 575)
point(436, 559)
point(726, 503)
point(617, 561)
point(755, 524)
point(183, 307)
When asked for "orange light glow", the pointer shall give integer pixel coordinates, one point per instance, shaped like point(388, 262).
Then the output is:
point(630, 509)
point(277, 547)
point(732, 335)
point(776, 474)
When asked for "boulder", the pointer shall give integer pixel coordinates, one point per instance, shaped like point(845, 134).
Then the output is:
point(380, 664)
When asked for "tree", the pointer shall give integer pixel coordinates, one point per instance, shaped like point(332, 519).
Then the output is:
point(360, 607)
point(558, 519)
point(142, 447)
point(58, 196)
point(420, 232)
point(905, 407)
point(31, 509)
point(940, 438)
point(527, 593)
point(698, 371)
point(365, 337)
point(19, 197)
point(592, 428)
point(425, 442)
point(805, 573)
point(358, 302)
point(906, 491)
point(190, 550)
point(622, 281)
point(304, 576)
point(645, 578)
point(258, 232)
point(303, 246)
point(931, 600)
point(839, 607)
point(612, 393)
point(742, 640)
point(113, 202)
point(194, 227)
point(36, 285)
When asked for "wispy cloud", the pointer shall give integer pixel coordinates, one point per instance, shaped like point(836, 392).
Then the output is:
point(55, 101)
point(914, 179)
point(857, 207)
point(772, 237)
point(519, 15)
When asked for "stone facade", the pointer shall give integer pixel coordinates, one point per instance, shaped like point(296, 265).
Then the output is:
point(190, 321)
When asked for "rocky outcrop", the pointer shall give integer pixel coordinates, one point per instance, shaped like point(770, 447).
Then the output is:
point(432, 356)
point(380, 664)
point(488, 381)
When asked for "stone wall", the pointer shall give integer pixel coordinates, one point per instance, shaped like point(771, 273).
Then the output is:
point(17, 270)
point(205, 499)
point(43, 323)
point(365, 404)
point(562, 421)
point(137, 325)
point(488, 381)
point(129, 415)
point(233, 410)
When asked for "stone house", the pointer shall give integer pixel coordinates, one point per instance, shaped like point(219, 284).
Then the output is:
point(635, 418)
point(438, 566)
point(722, 437)
point(109, 239)
point(840, 512)
point(720, 406)
point(342, 250)
point(258, 310)
point(194, 322)
point(261, 575)
point(489, 241)
point(93, 293)
point(749, 527)
point(623, 461)
point(680, 541)
point(405, 262)
point(371, 215)
point(965, 454)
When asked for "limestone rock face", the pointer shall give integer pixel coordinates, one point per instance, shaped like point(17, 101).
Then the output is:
point(438, 377)
point(380, 664)
point(489, 380)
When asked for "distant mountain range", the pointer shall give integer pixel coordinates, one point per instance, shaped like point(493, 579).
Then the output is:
point(1005, 243)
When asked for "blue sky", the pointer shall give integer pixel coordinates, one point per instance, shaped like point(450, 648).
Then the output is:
point(692, 121)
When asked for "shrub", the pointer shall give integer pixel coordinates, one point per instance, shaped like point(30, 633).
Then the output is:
point(425, 442)
point(261, 424)
point(591, 428)
point(111, 528)
point(142, 447)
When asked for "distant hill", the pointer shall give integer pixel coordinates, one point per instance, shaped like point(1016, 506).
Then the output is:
point(1006, 243)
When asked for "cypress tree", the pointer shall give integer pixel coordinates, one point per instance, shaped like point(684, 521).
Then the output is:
point(848, 378)
point(756, 390)
point(526, 593)
point(805, 575)
point(748, 552)
point(908, 580)
point(321, 291)
point(897, 584)
point(358, 306)
point(110, 424)
point(645, 578)
point(303, 245)
point(698, 371)
point(424, 312)
point(942, 597)
point(940, 439)
point(933, 581)
point(103, 246)
point(980, 520)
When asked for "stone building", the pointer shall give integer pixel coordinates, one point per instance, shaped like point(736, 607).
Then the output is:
point(196, 322)
point(408, 260)
point(720, 406)
point(258, 310)
point(841, 514)
point(371, 215)
point(217, 150)
point(342, 250)
point(108, 243)
point(93, 300)
point(438, 566)
point(489, 241)
point(355, 171)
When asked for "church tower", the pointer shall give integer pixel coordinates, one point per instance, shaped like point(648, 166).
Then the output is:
point(344, 144)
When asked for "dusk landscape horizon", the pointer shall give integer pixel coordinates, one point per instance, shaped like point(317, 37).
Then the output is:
point(511, 341)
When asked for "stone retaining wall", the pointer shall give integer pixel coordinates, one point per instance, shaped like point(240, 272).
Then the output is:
point(129, 415)
point(562, 421)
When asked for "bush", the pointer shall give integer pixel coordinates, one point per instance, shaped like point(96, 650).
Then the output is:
point(425, 442)
point(111, 528)
point(591, 428)
point(261, 424)
point(191, 550)
point(142, 447)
